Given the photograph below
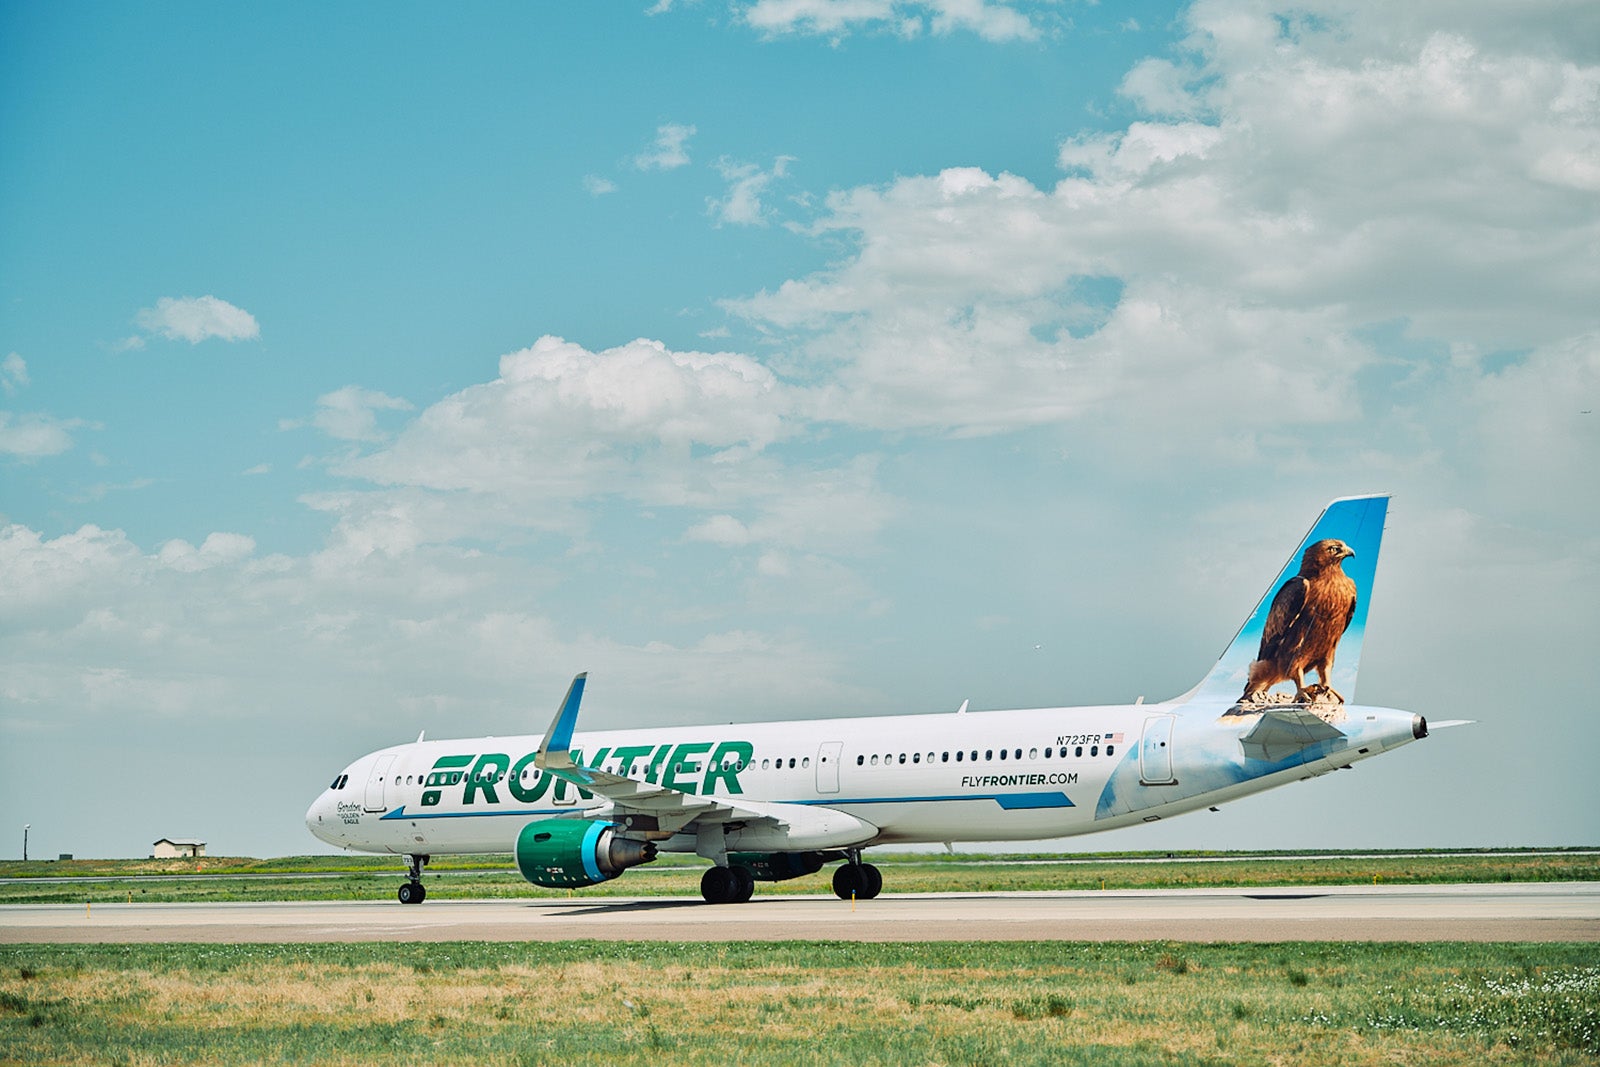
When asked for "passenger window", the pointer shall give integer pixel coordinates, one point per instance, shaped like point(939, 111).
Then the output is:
point(1078, 751)
point(1111, 750)
point(916, 757)
point(765, 764)
point(944, 757)
point(791, 763)
point(988, 753)
point(874, 759)
point(806, 762)
point(902, 757)
point(1033, 753)
point(930, 757)
point(1002, 753)
point(974, 755)
point(958, 757)
point(1094, 750)
point(861, 761)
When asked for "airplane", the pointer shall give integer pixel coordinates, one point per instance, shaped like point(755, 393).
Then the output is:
point(770, 801)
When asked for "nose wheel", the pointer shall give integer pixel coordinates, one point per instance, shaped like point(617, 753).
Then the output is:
point(413, 891)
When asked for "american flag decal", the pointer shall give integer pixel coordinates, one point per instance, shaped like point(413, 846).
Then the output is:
point(1115, 739)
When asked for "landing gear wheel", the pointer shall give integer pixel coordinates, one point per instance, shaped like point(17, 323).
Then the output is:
point(719, 885)
point(862, 881)
point(744, 884)
point(874, 880)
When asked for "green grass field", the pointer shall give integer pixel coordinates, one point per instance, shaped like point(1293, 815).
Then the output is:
point(341, 877)
point(938, 1003)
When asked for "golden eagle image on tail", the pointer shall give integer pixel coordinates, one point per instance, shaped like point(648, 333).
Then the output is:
point(1308, 617)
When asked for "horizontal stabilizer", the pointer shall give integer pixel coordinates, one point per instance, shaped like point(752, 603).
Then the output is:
point(1284, 731)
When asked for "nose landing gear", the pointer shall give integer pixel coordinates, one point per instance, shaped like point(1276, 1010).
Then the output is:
point(413, 891)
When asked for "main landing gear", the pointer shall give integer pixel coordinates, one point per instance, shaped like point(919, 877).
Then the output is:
point(855, 879)
point(727, 885)
point(414, 892)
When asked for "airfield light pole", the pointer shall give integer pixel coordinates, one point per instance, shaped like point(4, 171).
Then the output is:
point(25, 828)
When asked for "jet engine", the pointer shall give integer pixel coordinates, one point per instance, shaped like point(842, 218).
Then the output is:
point(563, 853)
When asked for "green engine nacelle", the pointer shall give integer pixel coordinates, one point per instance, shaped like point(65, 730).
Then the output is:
point(562, 853)
point(778, 866)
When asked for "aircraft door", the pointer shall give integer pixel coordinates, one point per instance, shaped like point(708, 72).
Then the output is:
point(1155, 751)
point(375, 783)
point(828, 766)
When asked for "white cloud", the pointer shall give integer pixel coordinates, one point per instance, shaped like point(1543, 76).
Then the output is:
point(218, 549)
point(741, 206)
point(670, 149)
point(34, 436)
point(721, 530)
point(195, 319)
point(595, 185)
point(13, 373)
point(1344, 178)
point(350, 413)
point(1158, 87)
point(562, 422)
point(991, 21)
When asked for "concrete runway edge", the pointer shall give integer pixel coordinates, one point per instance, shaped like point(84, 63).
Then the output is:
point(1566, 911)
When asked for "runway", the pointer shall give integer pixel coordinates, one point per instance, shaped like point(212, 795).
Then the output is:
point(1566, 911)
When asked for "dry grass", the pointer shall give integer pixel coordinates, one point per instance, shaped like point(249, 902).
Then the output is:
point(949, 1003)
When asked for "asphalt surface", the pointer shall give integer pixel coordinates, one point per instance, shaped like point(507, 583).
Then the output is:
point(1565, 911)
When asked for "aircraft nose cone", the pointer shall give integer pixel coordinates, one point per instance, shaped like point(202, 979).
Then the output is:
point(316, 818)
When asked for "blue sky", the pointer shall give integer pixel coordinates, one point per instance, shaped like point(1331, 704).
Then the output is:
point(370, 372)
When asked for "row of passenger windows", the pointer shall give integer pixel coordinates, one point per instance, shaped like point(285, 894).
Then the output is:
point(988, 755)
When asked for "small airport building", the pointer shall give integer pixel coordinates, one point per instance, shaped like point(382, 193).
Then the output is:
point(178, 848)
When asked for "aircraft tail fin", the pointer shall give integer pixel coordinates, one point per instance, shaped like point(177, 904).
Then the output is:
point(1302, 644)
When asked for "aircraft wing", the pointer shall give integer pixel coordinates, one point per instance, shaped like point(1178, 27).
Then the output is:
point(648, 808)
point(1282, 732)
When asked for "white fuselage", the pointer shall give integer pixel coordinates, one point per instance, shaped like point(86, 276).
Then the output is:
point(983, 776)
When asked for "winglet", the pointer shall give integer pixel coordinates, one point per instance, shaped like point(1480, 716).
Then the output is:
point(558, 739)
